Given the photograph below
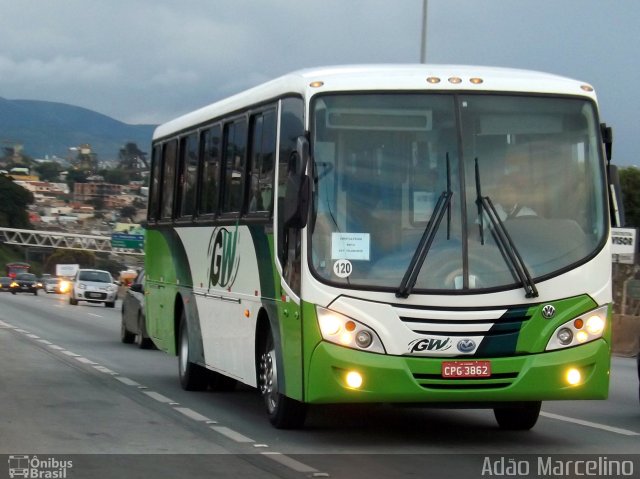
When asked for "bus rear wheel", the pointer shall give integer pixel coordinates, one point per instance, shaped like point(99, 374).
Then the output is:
point(193, 377)
point(283, 412)
point(518, 418)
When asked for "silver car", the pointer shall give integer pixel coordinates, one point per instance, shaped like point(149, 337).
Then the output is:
point(94, 286)
point(133, 327)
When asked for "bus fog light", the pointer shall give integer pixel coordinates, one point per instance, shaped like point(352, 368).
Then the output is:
point(364, 339)
point(354, 379)
point(573, 376)
point(565, 336)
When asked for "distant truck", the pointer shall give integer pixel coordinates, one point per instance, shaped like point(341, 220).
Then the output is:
point(67, 270)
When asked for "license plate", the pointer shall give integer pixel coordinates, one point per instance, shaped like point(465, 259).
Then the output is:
point(466, 369)
point(93, 295)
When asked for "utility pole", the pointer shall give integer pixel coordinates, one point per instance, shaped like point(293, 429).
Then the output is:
point(423, 44)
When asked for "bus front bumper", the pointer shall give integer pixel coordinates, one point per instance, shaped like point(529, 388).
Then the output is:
point(532, 377)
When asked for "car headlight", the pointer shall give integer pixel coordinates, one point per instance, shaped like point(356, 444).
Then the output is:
point(14, 285)
point(111, 288)
point(81, 286)
point(583, 329)
point(340, 329)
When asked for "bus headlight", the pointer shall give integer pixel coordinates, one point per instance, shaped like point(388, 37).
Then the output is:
point(340, 329)
point(588, 327)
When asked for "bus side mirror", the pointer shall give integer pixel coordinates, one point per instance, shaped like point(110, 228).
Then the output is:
point(296, 200)
point(607, 139)
point(616, 207)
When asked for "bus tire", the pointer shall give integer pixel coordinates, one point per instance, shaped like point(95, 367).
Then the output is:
point(283, 412)
point(193, 377)
point(518, 418)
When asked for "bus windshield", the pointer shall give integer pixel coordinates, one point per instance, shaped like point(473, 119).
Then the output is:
point(529, 165)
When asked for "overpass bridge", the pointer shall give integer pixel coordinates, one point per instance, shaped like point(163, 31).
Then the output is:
point(57, 239)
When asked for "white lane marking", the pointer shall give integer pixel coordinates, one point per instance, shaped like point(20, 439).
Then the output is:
point(231, 434)
point(158, 397)
point(22, 331)
point(190, 413)
point(127, 381)
point(94, 315)
point(33, 336)
point(5, 325)
point(102, 369)
point(85, 360)
point(604, 427)
point(289, 462)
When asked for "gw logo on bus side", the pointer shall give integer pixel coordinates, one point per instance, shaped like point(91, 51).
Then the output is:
point(430, 344)
point(224, 264)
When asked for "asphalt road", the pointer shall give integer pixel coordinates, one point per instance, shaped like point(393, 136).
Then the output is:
point(70, 390)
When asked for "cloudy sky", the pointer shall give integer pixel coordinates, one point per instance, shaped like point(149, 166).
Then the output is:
point(146, 61)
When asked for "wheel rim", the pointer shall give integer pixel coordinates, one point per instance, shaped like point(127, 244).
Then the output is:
point(184, 352)
point(269, 379)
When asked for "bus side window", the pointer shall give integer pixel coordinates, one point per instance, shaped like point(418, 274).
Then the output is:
point(210, 171)
point(235, 140)
point(154, 194)
point(169, 154)
point(186, 195)
point(289, 247)
point(263, 144)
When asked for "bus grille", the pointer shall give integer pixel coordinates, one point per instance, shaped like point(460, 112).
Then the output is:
point(497, 329)
point(436, 381)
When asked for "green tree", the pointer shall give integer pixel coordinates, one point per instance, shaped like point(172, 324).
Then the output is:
point(630, 186)
point(97, 203)
point(76, 176)
point(14, 200)
point(128, 212)
point(115, 176)
point(49, 170)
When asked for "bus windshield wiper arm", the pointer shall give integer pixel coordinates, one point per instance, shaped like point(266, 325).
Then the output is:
point(503, 239)
point(411, 275)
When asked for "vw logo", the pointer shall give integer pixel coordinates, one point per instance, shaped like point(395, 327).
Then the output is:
point(548, 311)
point(466, 345)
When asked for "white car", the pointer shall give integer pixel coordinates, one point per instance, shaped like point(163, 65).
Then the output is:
point(93, 286)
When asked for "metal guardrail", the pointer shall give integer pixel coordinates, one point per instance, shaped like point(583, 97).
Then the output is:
point(57, 239)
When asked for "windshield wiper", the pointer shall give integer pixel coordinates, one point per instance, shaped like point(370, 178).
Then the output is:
point(411, 275)
point(503, 238)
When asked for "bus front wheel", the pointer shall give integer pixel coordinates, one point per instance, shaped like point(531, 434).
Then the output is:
point(518, 418)
point(283, 412)
point(193, 377)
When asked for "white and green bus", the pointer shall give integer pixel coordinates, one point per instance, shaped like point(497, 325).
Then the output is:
point(423, 234)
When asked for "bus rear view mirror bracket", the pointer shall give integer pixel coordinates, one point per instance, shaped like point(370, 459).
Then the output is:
point(296, 202)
